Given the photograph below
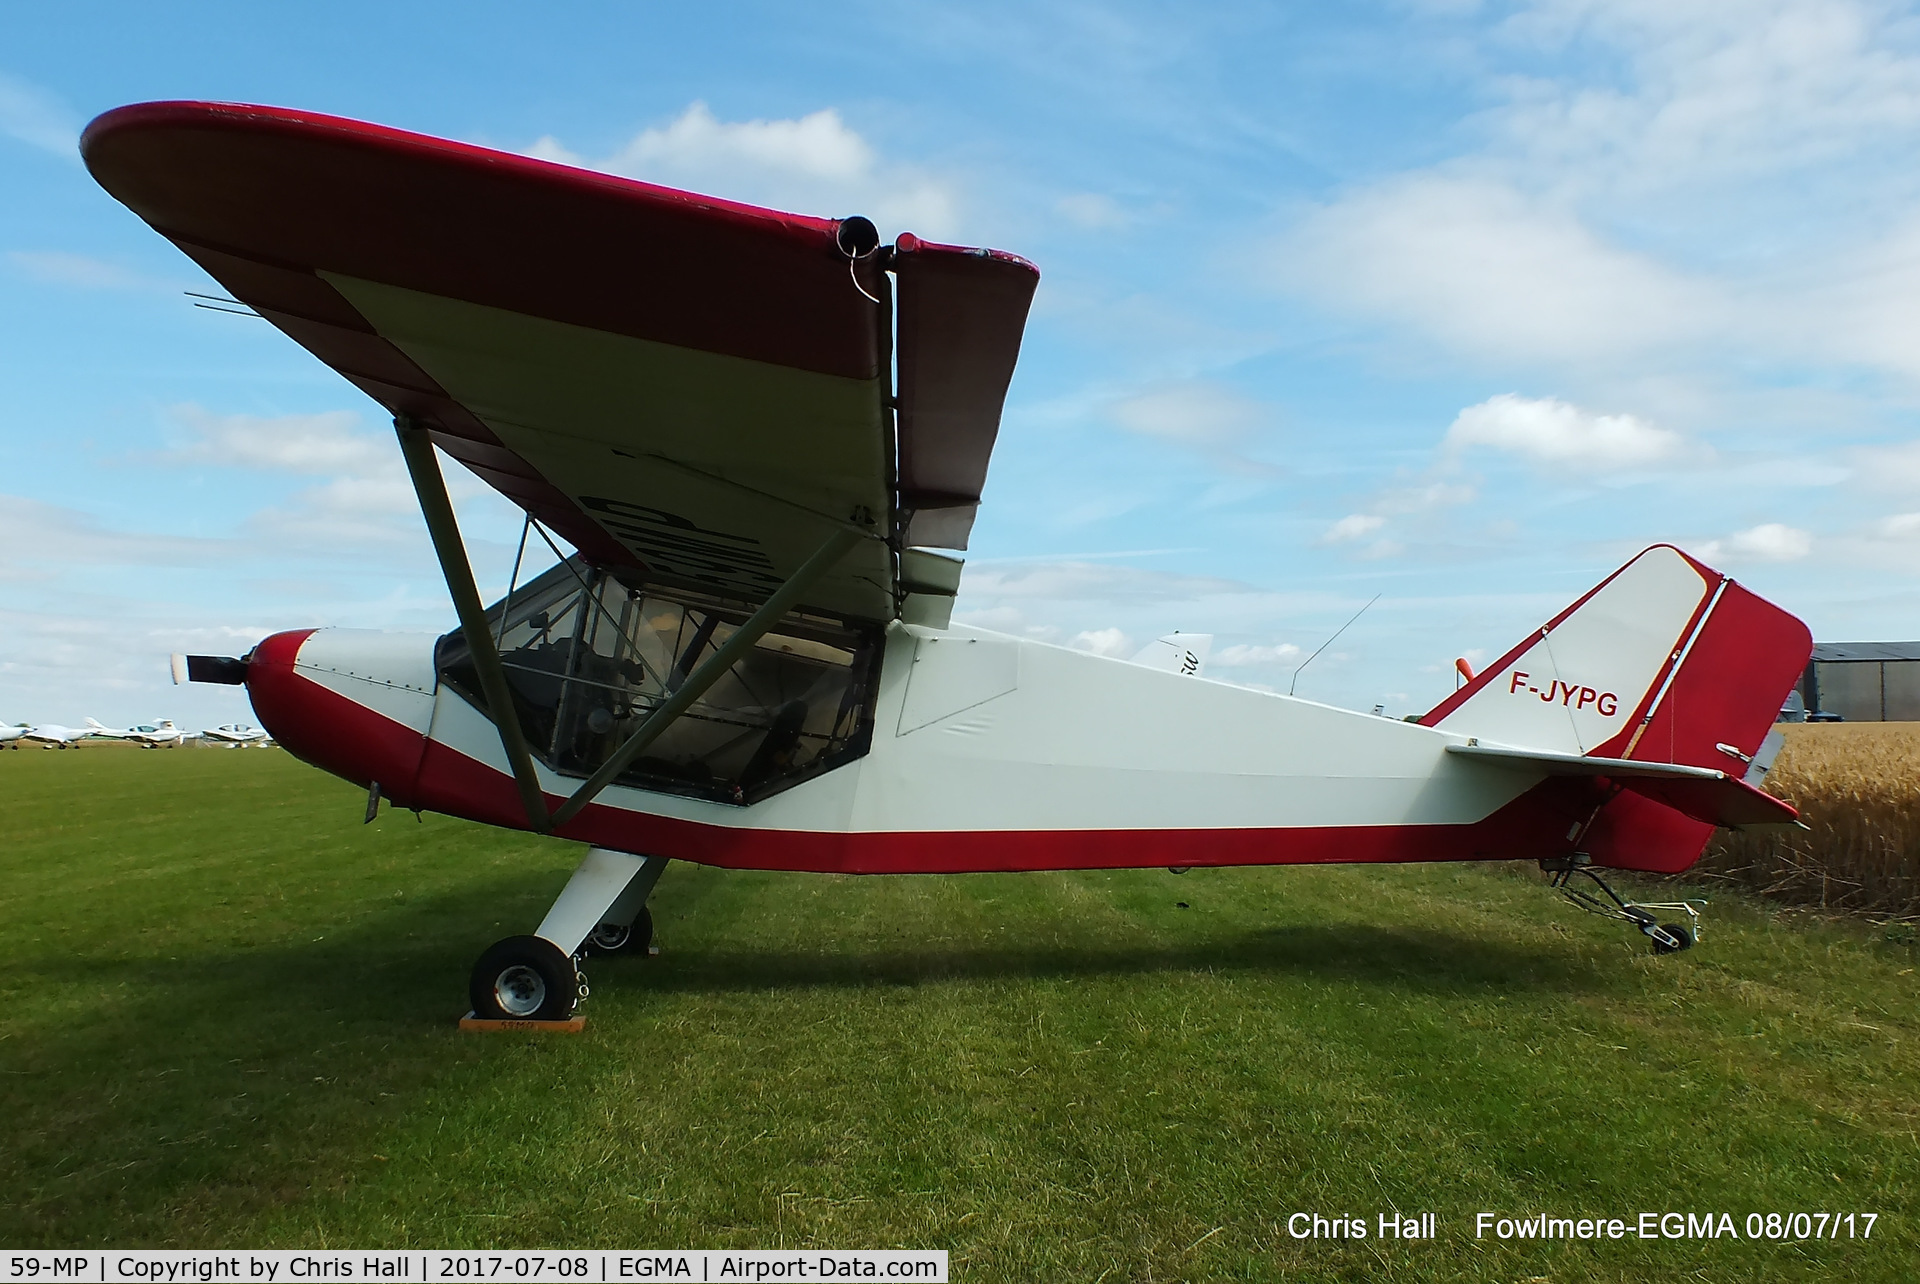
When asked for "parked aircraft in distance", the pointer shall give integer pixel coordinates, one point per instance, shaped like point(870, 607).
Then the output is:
point(757, 430)
point(51, 735)
point(149, 735)
point(1177, 653)
point(10, 736)
point(233, 735)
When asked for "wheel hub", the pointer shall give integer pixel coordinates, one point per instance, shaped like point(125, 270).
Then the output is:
point(609, 936)
point(520, 991)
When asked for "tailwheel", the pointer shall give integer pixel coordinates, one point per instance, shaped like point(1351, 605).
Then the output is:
point(523, 978)
point(631, 938)
point(1667, 938)
point(1670, 938)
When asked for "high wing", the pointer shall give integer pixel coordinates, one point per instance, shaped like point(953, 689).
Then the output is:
point(696, 390)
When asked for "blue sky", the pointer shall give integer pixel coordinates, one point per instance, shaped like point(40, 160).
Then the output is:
point(1457, 304)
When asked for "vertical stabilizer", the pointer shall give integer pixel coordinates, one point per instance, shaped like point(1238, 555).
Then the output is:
point(1583, 678)
point(1665, 661)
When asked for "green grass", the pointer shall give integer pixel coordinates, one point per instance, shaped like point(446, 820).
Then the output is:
point(227, 1018)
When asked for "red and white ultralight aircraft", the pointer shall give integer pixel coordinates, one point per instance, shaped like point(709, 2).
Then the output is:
point(756, 428)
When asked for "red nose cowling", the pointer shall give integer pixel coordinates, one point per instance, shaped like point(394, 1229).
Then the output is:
point(327, 729)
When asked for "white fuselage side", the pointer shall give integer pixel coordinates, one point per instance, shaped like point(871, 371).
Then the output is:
point(977, 731)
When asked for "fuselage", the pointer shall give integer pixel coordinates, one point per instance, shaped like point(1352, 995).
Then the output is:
point(234, 733)
point(986, 752)
point(54, 736)
point(162, 734)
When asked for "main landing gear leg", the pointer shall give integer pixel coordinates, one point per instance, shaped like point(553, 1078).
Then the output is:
point(1667, 938)
point(537, 978)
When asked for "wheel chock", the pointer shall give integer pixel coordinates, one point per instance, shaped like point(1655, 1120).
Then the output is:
point(572, 1025)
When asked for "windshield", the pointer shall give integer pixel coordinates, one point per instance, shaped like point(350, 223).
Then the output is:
point(587, 657)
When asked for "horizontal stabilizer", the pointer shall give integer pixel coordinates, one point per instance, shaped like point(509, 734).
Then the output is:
point(1698, 792)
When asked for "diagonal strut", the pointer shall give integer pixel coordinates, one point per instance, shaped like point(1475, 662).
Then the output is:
point(437, 509)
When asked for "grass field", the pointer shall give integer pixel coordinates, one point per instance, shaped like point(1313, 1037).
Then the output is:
point(1857, 785)
point(227, 1018)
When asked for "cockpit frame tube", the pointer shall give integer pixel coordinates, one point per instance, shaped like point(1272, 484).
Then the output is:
point(430, 487)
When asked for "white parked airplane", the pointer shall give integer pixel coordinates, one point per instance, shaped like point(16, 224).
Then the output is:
point(235, 735)
point(1177, 653)
point(51, 735)
point(11, 736)
point(148, 735)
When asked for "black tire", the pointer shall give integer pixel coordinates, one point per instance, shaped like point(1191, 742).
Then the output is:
point(1678, 933)
point(633, 939)
point(523, 978)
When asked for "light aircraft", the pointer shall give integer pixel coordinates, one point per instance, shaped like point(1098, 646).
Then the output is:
point(51, 735)
point(758, 430)
point(148, 735)
point(234, 735)
point(10, 736)
point(1177, 653)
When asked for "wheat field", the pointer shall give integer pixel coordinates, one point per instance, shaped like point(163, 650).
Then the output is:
point(1857, 786)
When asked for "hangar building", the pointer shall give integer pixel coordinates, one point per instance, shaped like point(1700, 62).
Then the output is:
point(1863, 681)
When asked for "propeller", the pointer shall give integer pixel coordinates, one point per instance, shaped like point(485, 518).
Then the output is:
point(223, 669)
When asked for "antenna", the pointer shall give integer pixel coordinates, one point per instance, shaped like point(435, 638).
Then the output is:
point(1329, 642)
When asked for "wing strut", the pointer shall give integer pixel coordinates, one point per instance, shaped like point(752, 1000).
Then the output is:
point(710, 671)
point(431, 488)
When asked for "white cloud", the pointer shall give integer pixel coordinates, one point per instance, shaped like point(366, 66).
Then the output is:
point(1190, 414)
point(1109, 641)
point(360, 494)
point(58, 267)
point(1550, 432)
point(1890, 468)
point(37, 536)
point(1091, 211)
point(35, 117)
point(1086, 582)
point(1709, 91)
point(1901, 526)
point(1768, 542)
point(1481, 267)
point(1353, 526)
point(331, 443)
point(1767, 145)
point(1243, 654)
point(814, 164)
point(1424, 496)
point(1420, 499)
point(1887, 544)
point(1199, 415)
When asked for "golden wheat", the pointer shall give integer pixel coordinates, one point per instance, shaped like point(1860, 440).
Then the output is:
point(1857, 786)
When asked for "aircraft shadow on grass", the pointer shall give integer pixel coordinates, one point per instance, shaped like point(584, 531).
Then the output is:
point(1426, 960)
point(390, 970)
point(259, 1035)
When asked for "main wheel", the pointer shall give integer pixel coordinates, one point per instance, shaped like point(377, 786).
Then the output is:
point(523, 978)
point(611, 938)
point(1679, 934)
